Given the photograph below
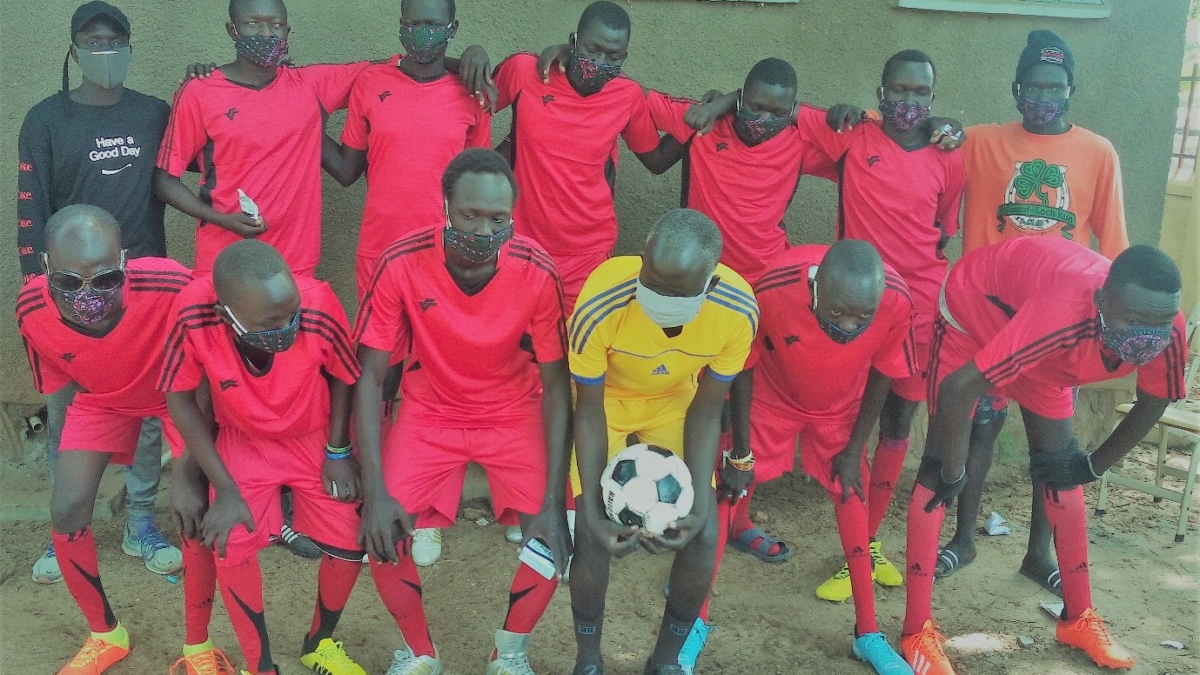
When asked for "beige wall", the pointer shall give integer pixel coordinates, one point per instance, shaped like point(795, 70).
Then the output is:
point(1128, 76)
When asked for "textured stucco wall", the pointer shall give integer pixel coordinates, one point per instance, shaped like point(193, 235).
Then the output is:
point(1128, 74)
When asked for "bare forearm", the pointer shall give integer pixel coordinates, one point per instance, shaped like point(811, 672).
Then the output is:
point(366, 396)
point(341, 162)
point(701, 440)
point(339, 412)
point(591, 451)
point(172, 191)
point(741, 394)
point(874, 396)
point(1129, 432)
point(950, 428)
point(556, 418)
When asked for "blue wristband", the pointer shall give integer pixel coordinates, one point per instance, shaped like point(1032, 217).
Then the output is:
point(337, 453)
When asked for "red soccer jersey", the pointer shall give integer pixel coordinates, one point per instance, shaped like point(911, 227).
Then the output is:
point(472, 358)
point(291, 397)
point(117, 370)
point(265, 141)
point(802, 365)
point(410, 130)
point(744, 189)
point(1030, 302)
point(565, 150)
point(905, 203)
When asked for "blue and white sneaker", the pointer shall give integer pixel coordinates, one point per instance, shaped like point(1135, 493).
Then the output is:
point(875, 650)
point(143, 540)
point(46, 570)
point(690, 651)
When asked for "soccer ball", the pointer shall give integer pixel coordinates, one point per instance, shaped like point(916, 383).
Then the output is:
point(647, 486)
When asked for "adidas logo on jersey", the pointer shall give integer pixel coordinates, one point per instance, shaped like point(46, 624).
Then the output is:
point(661, 370)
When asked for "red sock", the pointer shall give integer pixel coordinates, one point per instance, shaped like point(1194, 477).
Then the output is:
point(335, 581)
point(399, 587)
point(528, 599)
point(80, 569)
point(852, 530)
point(199, 589)
point(1067, 514)
point(921, 555)
point(241, 589)
point(739, 516)
point(885, 472)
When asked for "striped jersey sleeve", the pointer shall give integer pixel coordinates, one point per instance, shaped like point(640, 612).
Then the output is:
point(592, 327)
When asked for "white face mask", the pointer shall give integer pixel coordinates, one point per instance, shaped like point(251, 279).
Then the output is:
point(669, 311)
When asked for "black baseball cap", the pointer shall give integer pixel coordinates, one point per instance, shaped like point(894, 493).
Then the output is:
point(87, 12)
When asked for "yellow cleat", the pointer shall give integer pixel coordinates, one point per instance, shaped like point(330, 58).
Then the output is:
point(886, 573)
point(837, 588)
point(329, 658)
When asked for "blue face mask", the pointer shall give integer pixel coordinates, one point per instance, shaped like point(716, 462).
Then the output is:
point(272, 341)
point(834, 331)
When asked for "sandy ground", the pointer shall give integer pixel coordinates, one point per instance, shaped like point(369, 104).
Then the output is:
point(768, 620)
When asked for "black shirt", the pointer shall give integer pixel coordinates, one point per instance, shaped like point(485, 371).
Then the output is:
point(73, 153)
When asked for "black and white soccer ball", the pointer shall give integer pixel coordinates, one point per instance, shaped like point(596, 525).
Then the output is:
point(647, 486)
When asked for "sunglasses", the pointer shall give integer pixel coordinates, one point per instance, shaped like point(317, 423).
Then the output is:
point(70, 282)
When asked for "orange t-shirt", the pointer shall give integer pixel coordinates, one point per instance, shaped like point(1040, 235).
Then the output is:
point(1021, 184)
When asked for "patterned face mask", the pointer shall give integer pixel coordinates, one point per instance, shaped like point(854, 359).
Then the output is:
point(904, 116)
point(88, 306)
point(476, 248)
point(755, 128)
point(589, 77)
point(273, 341)
point(266, 51)
point(426, 44)
point(1135, 345)
point(1042, 113)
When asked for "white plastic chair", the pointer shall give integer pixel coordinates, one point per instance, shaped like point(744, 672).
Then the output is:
point(1176, 422)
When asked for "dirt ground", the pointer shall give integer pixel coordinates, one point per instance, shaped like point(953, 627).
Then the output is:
point(768, 620)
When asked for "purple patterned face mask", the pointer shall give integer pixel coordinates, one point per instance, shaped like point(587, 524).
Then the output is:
point(88, 306)
point(902, 115)
point(273, 341)
point(266, 51)
point(1042, 113)
point(1135, 345)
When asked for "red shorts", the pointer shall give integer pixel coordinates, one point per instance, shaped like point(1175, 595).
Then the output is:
point(774, 430)
point(573, 270)
point(91, 428)
point(424, 467)
point(915, 387)
point(260, 467)
point(952, 349)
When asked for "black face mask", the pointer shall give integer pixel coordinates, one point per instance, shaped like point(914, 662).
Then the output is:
point(834, 331)
point(476, 248)
point(587, 76)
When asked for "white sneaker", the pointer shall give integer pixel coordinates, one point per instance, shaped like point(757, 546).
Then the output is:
point(426, 546)
point(46, 570)
point(512, 655)
point(514, 535)
point(404, 662)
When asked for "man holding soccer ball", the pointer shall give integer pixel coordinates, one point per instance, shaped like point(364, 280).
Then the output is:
point(654, 344)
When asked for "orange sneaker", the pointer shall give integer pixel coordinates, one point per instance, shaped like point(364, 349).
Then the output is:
point(207, 660)
point(97, 654)
point(1087, 632)
point(923, 651)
